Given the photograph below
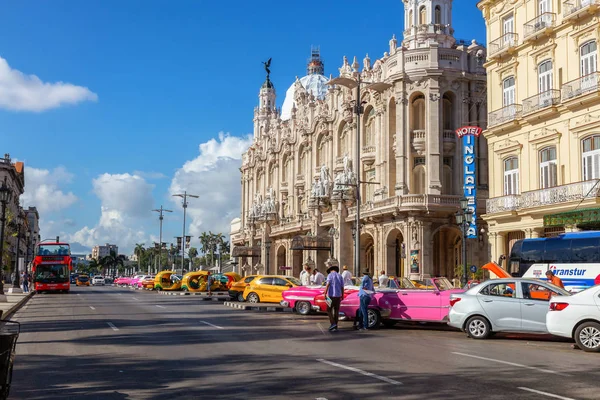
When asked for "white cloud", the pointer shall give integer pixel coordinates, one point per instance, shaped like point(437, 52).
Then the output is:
point(20, 92)
point(150, 175)
point(214, 176)
point(125, 200)
point(44, 189)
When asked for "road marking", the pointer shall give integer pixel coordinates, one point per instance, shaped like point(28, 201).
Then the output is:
point(546, 393)
point(135, 298)
point(160, 306)
point(92, 308)
point(548, 371)
point(321, 328)
point(78, 294)
point(360, 371)
point(214, 326)
point(114, 328)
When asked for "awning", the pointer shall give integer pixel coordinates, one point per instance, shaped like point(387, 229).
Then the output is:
point(310, 242)
point(246, 251)
point(578, 217)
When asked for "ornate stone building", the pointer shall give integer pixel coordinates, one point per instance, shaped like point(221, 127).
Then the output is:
point(298, 174)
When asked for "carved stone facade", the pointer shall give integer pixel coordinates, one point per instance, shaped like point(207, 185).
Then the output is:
point(411, 162)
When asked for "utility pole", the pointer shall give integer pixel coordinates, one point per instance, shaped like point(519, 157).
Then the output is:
point(184, 196)
point(161, 210)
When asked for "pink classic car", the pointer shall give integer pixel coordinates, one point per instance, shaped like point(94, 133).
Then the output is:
point(301, 298)
point(136, 282)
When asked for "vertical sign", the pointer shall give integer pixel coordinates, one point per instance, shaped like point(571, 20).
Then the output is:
point(468, 135)
point(414, 261)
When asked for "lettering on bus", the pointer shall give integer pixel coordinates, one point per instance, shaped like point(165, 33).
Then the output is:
point(468, 135)
point(567, 271)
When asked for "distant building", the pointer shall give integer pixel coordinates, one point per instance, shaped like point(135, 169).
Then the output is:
point(13, 175)
point(103, 251)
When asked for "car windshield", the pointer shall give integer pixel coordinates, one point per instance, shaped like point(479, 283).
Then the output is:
point(295, 281)
point(443, 283)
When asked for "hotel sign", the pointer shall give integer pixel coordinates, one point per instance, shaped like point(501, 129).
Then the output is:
point(468, 135)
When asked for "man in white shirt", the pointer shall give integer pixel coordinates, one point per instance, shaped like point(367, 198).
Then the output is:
point(383, 279)
point(305, 275)
point(318, 278)
point(347, 276)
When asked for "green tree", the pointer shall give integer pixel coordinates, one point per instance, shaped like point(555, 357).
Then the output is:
point(139, 252)
point(204, 243)
point(112, 261)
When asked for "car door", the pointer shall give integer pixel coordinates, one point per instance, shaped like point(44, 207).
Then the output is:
point(264, 288)
point(534, 300)
point(279, 285)
point(501, 305)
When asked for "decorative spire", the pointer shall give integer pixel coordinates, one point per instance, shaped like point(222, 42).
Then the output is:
point(355, 64)
point(367, 63)
point(315, 64)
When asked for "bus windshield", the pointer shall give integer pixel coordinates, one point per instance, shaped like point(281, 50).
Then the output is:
point(51, 273)
point(53, 250)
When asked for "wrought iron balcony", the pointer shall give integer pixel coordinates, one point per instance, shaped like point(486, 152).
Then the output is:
point(503, 43)
point(541, 100)
point(581, 86)
point(539, 25)
point(574, 8)
point(505, 114)
point(503, 204)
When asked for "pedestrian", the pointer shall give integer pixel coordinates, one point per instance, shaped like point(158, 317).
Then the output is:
point(347, 276)
point(25, 280)
point(364, 294)
point(383, 279)
point(305, 275)
point(318, 278)
point(334, 292)
point(553, 279)
point(209, 281)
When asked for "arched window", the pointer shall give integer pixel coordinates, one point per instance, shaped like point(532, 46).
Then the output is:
point(410, 19)
point(419, 178)
point(545, 76)
point(370, 129)
point(591, 158)
point(588, 64)
point(301, 161)
point(418, 113)
point(448, 112)
point(508, 91)
point(438, 15)
point(548, 169)
point(422, 15)
point(511, 176)
point(285, 170)
point(343, 140)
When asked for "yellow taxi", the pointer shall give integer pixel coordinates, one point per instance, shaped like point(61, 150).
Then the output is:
point(268, 288)
point(236, 291)
point(83, 280)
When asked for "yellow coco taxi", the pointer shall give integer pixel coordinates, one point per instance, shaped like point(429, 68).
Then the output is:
point(83, 280)
point(167, 280)
point(236, 291)
point(268, 288)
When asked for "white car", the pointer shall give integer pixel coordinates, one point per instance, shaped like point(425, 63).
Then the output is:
point(98, 280)
point(577, 317)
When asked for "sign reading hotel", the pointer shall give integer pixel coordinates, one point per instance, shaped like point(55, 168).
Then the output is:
point(468, 135)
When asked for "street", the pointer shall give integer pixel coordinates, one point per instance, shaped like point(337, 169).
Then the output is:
point(114, 343)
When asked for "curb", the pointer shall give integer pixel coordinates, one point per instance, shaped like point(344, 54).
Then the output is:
point(217, 296)
point(11, 311)
point(243, 306)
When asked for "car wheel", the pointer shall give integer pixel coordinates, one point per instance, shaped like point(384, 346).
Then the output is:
point(587, 336)
point(478, 327)
point(303, 307)
point(374, 318)
point(253, 298)
point(240, 297)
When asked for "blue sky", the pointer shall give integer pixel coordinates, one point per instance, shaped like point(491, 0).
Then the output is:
point(142, 90)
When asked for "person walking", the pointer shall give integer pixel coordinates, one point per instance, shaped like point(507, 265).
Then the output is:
point(383, 280)
point(305, 275)
point(334, 292)
point(25, 281)
point(209, 281)
point(553, 279)
point(364, 294)
point(347, 276)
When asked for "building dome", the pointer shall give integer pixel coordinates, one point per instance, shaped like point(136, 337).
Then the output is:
point(314, 84)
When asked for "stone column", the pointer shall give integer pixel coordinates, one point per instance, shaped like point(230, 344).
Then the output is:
point(427, 248)
point(433, 150)
point(401, 143)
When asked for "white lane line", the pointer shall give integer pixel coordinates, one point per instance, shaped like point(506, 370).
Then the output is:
point(160, 306)
point(135, 298)
point(360, 371)
point(546, 393)
point(114, 328)
point(214, 326)
point(92, 308)
point(547, 371)
point(78, 294)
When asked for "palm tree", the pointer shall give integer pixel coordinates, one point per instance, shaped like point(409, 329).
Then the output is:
point(94, 265)
point(204, 243)
point(215, 240)
point(113, 260)
point(192, 253)
point(139, 252)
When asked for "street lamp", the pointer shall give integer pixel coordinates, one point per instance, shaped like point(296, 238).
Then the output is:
point(184, 196)
point(268, 250)
point(352, 83)
point(5, 195)
point(464, 217)
point(161, 210)
point(16, 268)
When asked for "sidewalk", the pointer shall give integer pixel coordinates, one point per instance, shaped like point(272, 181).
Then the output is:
point(13, 303)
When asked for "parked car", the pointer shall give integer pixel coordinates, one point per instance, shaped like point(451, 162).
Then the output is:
point(503, 305)
point(167, 280)
point(577, 317)
point(236, 291)
point(83, 280)
point(147, 283)
point(98, 280)
point(269, 288)
point(139, 284)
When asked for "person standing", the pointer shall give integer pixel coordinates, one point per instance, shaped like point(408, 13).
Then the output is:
point(25, 280)
point(209, 281)
point(364, 294)
point(553, 279)
point(305, 275)
point(383, 279)
point(334, 292)
point(318, 278)
point(347, 276)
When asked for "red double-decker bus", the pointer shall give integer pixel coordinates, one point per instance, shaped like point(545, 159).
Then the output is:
point(52, 267)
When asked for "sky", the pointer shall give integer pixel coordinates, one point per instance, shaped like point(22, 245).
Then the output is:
point(114, 106)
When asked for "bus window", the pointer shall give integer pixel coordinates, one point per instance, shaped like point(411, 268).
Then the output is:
point(585, 250)
point(558, 250)
point(533, 251)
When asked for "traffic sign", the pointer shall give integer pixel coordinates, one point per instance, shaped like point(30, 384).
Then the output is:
point(473, 268)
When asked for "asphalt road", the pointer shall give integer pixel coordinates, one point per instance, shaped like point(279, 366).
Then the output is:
point(113, 343)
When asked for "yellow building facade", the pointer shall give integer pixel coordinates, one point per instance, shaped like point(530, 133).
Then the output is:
point(544, 118)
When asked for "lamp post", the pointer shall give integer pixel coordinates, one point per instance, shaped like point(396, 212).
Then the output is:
point(16, 268)
point(184, 196)
point(464, 217)
point(352, 83)
point(268, 251)
point(161, 210)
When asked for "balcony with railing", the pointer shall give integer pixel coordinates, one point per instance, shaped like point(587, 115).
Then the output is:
point(505, 114)
point(586, 85)
point(449, 140)
point(574, 9)
point(539, 26)
point(553, 196)
point(504, 43)
point(368, 154)
point(417, 138)
point(541, 101)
